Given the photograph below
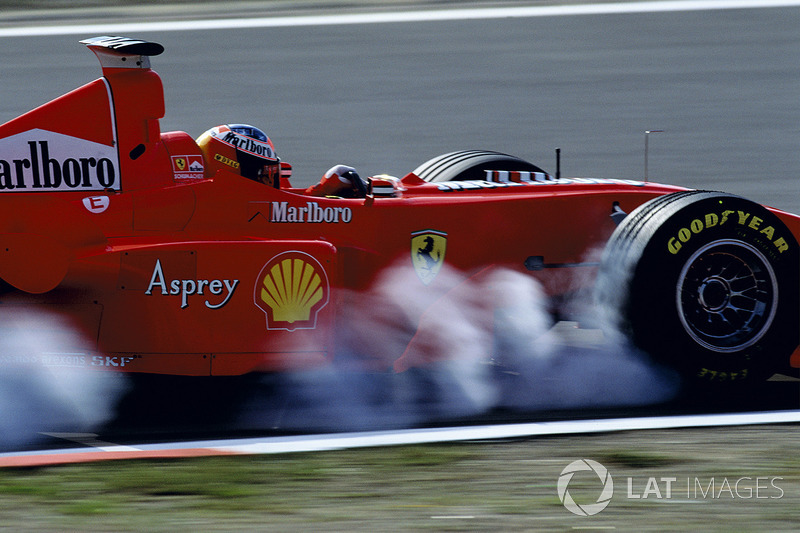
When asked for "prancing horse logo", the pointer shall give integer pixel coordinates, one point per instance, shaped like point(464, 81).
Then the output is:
point(427, 253)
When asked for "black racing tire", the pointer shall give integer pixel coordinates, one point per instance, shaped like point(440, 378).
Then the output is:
point(706, 283)
point(470, 165)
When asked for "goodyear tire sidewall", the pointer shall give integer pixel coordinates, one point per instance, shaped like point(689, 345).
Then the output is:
point(729, 225)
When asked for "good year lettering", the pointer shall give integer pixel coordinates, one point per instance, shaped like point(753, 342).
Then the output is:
point(742, 218)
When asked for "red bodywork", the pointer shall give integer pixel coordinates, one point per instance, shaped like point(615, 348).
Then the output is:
point(168, 269)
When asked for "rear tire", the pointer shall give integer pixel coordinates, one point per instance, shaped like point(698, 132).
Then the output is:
point(707, 283)
point(468, 165)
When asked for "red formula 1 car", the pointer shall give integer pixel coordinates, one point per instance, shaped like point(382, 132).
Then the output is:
point(185, 257)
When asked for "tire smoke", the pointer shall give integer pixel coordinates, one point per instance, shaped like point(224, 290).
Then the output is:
point(45, 385)
point(460, 348)
point(411, 355)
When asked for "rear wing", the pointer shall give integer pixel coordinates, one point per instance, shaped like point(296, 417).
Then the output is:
point(102, 136)
point(123, 52)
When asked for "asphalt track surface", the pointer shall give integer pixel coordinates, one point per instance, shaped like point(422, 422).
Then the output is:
point(722, 84)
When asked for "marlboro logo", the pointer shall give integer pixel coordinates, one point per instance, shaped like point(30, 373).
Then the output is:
point(40, 160)
point(282, 212)
point(247, 144)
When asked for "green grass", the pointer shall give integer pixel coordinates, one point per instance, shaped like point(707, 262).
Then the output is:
point(448, 487)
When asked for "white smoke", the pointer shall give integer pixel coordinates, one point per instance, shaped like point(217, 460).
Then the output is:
point(460, 347)
point(465, 347)
point(45, 385)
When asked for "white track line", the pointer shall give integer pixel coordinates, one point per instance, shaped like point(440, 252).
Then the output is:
point(404, 16)
point(318, 443)
point(493, 432)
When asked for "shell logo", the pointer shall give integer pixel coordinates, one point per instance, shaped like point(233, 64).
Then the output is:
point(291, 290)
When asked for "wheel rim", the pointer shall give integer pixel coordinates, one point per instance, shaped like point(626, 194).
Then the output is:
point(727, 296)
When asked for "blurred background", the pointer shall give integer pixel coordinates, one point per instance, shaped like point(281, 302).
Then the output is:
point(385, 97)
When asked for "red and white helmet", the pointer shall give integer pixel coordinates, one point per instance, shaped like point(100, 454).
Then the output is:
point(244, 149)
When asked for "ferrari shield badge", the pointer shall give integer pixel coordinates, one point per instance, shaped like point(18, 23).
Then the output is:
point(427, 253)
point(187, 166)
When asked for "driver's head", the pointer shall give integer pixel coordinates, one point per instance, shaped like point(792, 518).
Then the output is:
point(241, 148)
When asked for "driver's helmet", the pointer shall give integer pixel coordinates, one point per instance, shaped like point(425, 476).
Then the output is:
point(241, 148)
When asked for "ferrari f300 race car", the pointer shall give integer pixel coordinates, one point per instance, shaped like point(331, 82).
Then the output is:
point(171, 263)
